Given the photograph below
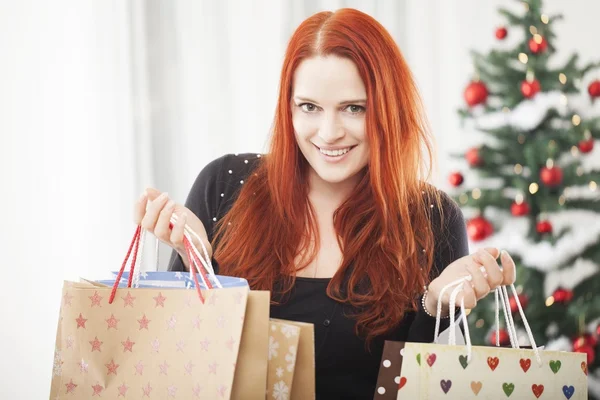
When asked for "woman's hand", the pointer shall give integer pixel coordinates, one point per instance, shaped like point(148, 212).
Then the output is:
point(481, 283)
point(153, 212)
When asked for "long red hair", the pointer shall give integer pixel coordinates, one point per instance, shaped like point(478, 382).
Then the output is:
point(384, 227)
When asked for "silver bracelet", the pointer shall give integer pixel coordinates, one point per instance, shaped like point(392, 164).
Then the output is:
point(425, 308)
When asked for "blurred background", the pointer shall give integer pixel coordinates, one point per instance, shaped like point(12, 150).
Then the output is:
point(100, 99)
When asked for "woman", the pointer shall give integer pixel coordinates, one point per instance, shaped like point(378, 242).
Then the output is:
point(336, 220)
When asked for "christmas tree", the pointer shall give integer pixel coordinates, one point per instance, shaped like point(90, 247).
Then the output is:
point(531, 187)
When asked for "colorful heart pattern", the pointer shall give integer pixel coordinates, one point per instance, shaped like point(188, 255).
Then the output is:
point(493, 362)
point(537, 390)
point(463, 361)
point(431, 359)
point(568, 391)
point(508, 388)
point(525, 364)
point(402, 383)
point(555, 365)
point(446, 385)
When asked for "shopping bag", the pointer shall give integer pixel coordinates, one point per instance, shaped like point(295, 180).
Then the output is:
point(432, 370)
point(303, 387)
point(283, 347)
point(156, 342)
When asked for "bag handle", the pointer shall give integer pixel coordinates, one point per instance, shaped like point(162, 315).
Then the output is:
point(457, 286)
point(193, 256)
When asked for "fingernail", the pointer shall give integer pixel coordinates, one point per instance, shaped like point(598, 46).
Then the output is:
point(143, 195)
point(163, 196)
point(505, 254)
point(170, 204)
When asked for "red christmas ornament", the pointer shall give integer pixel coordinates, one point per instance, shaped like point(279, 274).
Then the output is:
point(598, 330)
point(584, 340)
point(504, 337)
point(523, 299)
point(501, 33)
point(551, 176)
point(562, 296)
point(589, 350)
point(456, 179)
point(479, 228)
point(530, 89)
point(594, 89)
point(473, 158)
point(537, 48)
point(586, 146)
point(519, 209)
point(476, 93)
point(543, 227)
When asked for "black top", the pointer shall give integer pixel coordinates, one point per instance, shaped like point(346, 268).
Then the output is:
point(345, 369)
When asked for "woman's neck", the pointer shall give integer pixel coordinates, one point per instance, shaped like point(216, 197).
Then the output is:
point(326, 196)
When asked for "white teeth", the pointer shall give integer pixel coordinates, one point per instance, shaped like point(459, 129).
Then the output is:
point(335, 153)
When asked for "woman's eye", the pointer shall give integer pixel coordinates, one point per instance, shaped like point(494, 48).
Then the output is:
point(354, 109)
point(308, 107)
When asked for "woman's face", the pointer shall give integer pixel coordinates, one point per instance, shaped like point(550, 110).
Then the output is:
point(328, 113)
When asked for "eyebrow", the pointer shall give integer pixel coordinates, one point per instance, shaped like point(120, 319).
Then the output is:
point(359, 101)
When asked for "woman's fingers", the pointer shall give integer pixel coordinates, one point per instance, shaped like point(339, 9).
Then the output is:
point(162, 230)
point(153, 211)
point(468, 293)
point(493, 272)
point(479, 283)
point(139, 209)
point(509, 269)
point(178, 230)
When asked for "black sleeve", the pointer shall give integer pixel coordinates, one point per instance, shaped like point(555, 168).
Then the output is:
point(451, 244)
point(213, 193)
point(203, 200)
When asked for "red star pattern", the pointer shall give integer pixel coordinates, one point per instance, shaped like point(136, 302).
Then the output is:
point(139, 368)
point(221, 321)
point(97, 389)
point(144, 322)
point(172, 390)
point(70, 386)
point(222, 390)
point(70, 342)
point(180, 345)
point(128, 345)
point(155, 345)
point(188, 367)
point(112, 367)
point(96, 299)
point(80, 321)
point(212, 368)
point(160, 300)
point(196, 322)
point(128, 300)
point(112, 322)
point(238, 298)
point(164, 368)
point(67, 299)
point(123, 390)
point(204, 344)
point(171, 322)
point(197, 389)
point(230, 343)
point(83, 366)
point(146, 389)
point(213, 297)
point(96, 344)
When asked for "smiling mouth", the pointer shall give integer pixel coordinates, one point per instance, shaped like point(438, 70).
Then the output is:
point(336, 152)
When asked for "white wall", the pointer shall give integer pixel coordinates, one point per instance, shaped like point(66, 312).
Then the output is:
point(66, 169)
point(68, 162)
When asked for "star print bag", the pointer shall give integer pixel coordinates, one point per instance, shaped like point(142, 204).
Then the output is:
point(439, 371)
point(146, 342)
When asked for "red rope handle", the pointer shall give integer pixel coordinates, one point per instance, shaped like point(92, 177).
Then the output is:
point(189, 252)
point(135, 241)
